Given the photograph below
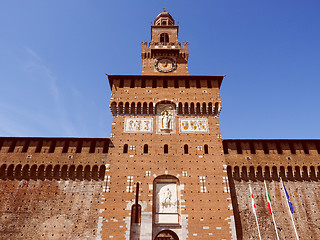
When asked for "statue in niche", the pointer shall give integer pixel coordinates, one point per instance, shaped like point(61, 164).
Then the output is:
point(165, 120)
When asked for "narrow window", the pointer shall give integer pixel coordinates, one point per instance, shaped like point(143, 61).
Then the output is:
point(133, 108)
point(192, 110)
point(126, 108)
point(186, 108)
point(198, 108)
point(145, 148)
point(125, 148)
point(180, 108)
point(186, 149)
point(145, 108)
point(210, 108)
point(206, 149)
point(164, 38)
point(204, 108)
point(151, 108)
point(121, 108)
point(139, 108)
point(165, 149)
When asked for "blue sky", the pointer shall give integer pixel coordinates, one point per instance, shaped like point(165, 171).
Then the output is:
point(54, 56)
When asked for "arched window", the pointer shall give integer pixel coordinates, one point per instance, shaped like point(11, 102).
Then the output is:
point(133, 108)
point(87, 173)
point(48, 172)
point(206, 149)
point(145, 108)
point(64, 172)
point(186, 149)
point(56, 172)
point(79, 172)
point(198, 108)
point(192, 108)
point(145, 148)
point(165, 149)
point(139, 108)
point(126, 108)
point(151, 108)
point(180, 108)
point(102, 172)
point(125, 148)
point(164, 37)
point(95, 172)
point(3, 171)
point(33, 172)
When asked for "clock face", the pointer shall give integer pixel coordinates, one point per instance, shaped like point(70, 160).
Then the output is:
point(165, 64)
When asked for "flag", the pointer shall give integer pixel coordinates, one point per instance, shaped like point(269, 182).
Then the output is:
point(252, 201)
point(254, 210)
point(268, 198)
point(288, 199)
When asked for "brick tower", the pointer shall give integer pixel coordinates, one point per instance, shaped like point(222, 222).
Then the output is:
point(166, 137)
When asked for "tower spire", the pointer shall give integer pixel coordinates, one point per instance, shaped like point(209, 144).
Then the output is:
point(164, 54)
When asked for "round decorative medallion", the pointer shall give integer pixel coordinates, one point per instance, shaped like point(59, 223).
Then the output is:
point(165, 64)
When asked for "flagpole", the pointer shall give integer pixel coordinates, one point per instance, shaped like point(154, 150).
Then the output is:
point(274, 222)
point(294, 226)
point(254, 211)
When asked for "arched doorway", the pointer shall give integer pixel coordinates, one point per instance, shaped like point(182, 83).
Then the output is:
point(166, 235)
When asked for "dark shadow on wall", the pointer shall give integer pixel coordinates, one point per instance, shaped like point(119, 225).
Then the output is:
point(235, 206)
point(50, 172)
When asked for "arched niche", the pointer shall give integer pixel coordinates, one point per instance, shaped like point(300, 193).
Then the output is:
point(166, 196)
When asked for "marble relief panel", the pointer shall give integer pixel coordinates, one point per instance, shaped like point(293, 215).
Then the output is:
point(136, 125)
point(193, 125)
point(167, 204)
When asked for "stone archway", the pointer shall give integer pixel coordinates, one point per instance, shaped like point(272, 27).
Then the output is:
point(166, 235)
